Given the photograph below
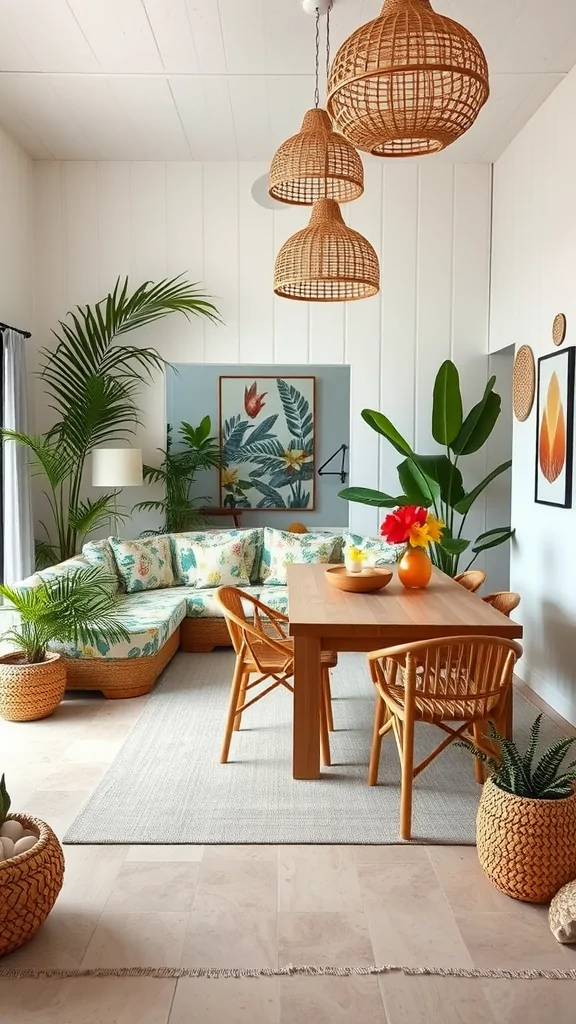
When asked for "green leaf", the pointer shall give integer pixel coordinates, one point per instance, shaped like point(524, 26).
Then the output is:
point(296, 408)
point(446, 474)
point(465, 503)
point(447, 404)
point(4, 801)
point(454, 545)
point(419, 488)
point(479, 423)
point(492, 539)
point(382, 425)
point(377, 499)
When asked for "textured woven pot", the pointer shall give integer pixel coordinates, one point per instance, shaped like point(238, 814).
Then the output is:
point(28, 692)
point(527, 848)
point(29, 885)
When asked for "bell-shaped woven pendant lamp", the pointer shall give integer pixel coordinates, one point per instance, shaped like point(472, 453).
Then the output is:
point(327, 261)
point(408, 83)
point(317, 163)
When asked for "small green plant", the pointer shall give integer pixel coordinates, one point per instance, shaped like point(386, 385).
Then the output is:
point(77, 608)
point(197, 450)
point(4, 801)
point(520, 774)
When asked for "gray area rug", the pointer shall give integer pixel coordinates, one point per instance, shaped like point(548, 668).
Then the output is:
point(167, 785)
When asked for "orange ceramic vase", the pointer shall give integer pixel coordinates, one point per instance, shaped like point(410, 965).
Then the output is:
point(415, 568)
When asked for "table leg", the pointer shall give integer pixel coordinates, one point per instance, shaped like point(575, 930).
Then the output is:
point(306, 731)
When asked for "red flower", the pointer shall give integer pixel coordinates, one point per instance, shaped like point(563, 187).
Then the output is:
point(396, 526)
point(253, 402)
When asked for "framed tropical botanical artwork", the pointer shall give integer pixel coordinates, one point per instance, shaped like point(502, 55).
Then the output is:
point(267, 442)
point(555, 429)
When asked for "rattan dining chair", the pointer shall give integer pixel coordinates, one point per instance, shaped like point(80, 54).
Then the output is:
point(263, 649)
point(472, 579)
point(464, 681)
point(504, 601)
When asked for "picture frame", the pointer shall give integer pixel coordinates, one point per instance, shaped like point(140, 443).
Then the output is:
point(555, 429)
point(267, 427)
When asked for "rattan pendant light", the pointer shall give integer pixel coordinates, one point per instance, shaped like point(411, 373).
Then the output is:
point(317, 162)
point(408, 83)
point(327, 261)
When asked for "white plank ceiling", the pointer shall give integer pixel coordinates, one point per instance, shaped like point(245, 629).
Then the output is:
point(230, 79)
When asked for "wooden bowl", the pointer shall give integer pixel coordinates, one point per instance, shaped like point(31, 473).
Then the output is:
point(365, 582)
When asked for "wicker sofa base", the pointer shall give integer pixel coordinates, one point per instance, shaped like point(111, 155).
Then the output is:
point(120, 677)
point(199, 636)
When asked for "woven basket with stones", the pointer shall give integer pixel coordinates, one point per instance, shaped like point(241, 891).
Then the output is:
point(29, 885)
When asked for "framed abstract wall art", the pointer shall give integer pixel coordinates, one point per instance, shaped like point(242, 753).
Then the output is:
point(267, 427)
point(555, 428)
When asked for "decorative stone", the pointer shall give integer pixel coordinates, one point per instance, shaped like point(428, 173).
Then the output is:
point(11, 830)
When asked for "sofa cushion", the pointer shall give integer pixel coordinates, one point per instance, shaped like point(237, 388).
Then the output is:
point(375, 550)
point(282, 548)
point(276, 598)
point(144, 564)
point(201, 604)
point(99, 552)
point(188, 549)
point(150, 618)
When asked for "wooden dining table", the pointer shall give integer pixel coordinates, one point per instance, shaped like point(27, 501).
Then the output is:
point(323, 618)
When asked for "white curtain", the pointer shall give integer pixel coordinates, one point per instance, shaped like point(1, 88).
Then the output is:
point(18, 531)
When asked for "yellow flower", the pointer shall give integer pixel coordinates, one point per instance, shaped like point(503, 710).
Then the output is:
point(418, 536)
point(294, 457)
point(435, 528)
point(229, 476)
point(355, 554)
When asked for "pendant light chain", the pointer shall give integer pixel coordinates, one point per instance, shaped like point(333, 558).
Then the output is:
point(328, 45)
point(317, 87)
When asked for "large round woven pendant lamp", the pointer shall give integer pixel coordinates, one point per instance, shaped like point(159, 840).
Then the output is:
point(408, 83)
point(317, 163)
point(327, 261)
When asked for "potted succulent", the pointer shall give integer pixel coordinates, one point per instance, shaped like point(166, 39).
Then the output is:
point(77, 607)
point(526, 825)
point(31, 874)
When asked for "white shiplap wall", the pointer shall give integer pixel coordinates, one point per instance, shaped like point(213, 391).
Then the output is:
point(534, 268)
point(16, 265)
point(430, 224)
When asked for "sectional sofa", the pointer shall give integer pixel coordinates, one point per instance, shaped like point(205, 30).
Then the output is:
point(165, 594)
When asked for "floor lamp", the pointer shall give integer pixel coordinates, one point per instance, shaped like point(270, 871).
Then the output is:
point(116, 468)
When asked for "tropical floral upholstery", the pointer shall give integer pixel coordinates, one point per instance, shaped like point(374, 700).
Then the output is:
point(61, 569)
point(144, 564)
point(234, 554)
point(375, 551)
point(276, 598)
point(282, 549)
point(201, 604)
point(99, 552)
point(150, 618)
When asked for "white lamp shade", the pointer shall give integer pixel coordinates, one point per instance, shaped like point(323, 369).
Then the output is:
point(117, 467)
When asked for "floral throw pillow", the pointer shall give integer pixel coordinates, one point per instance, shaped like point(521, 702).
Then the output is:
point(219, 565)
point(282, 549)
point(374, 550)
point(144, 564)
point(187, 549)
point(99, 552)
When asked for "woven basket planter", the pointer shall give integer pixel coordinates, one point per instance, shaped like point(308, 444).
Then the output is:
point(29, 885)
point(527, 848)
point(28, 692)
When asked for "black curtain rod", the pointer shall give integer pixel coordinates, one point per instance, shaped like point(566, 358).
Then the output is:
point(7, 327)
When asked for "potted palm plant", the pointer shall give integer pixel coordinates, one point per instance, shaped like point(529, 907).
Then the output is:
point(31, 874)
point(78, 607)
point(527, 817)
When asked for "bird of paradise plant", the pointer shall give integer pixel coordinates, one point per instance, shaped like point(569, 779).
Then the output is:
point(92, 382)
point(435, 482)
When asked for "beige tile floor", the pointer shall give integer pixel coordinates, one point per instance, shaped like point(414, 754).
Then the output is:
point(259, 906)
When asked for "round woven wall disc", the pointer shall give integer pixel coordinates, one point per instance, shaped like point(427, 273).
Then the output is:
point(559, 328)
point(523, 382)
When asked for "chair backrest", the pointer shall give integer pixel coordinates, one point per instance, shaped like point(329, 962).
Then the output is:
point(473, 670)
point(504, 601)
point(472, 579)
point(246, 633)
